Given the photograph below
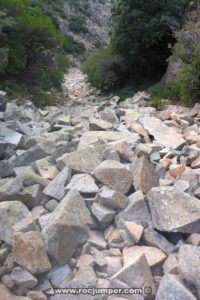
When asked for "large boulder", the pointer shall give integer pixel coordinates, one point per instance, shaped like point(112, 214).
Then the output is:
point(174, 211)
point(114, 175)
point(171, 287)
point(164, 135)
point(67, 227)
point(83, 161)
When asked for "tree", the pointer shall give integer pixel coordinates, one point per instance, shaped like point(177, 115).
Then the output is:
point(143, 30)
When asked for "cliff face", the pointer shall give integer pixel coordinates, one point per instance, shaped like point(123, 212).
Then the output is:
point(87, 21)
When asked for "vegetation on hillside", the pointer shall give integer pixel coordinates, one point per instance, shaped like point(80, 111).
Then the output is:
point(32, 49)
point(145, 35)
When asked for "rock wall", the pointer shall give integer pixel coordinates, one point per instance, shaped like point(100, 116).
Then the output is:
point(97, 22)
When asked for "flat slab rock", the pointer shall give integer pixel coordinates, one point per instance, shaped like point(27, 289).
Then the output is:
point(174, 211)
point(153, 255)
point(164, 135)
point(91, 137)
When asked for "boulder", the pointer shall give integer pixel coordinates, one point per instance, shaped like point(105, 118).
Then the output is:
point(98, 124)
point(5, 169)
point(114, 175)
point(144, 175)
point(164, 135)
point(82, 161)
point(11, 213)
point(174, 211)
point(136, 211)
point(112, 198)
point(171, 287)
point(83, 183)
point(103, 214)
point(137, 274)
point(30, 156)
point(28, 252)
point(91, 137)
point(23, 278)
point(155, 239)
point(5, 294)
point(11, 137)
point(109, 115)
point(153, 255)
point(66, 228)
point(189, 260)
point(56, 187)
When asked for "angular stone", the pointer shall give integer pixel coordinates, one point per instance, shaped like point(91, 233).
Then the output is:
point(66, 228)
point(46, 168)
point(194, 239)
point(103, 214)
point(11, 213)
point(181, 185)
point(134, 230)
point(30, 156)
point(170, 287)
point(5, 169)
point(97, 240)
point(11, 189)
point(144, 175)
point(189, 260)
point(155, 239)
point(56, 187)
point(124, 151)
point(51, 205)
point(59, 276)
point(5, 294)
point(114, 175)
point(109, 115)
point(136, 211)
point(83, 161)
point(23, 278)
point(11, 137)
point(64, 120)
point(112, 198)
point(164, 135)
point(98, 124)
point(85, 260)
point(171, 265)
point(154, 255)
point(28, 251)
point(91, 137)
point(137, 274)
point(113, 265)
point(83, 183)
point(174, 211)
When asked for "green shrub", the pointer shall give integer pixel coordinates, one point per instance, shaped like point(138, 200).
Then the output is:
point(77, 24)
point(31, 47)
point(105, 70)
point(188, 79)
